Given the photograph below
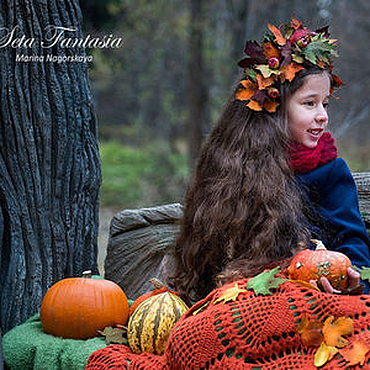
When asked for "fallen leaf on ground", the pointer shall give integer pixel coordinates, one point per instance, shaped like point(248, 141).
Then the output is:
point(113, 335)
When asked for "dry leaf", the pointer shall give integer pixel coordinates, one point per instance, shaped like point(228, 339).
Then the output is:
point(338, 81)
point(324, 354)
point(295, 24)
point(270, 106)
point(265, 82)
point(333, 331)
point(249, 84)
point(279, 37)
point(113, 335)
point(247, 92)
point(270, 51)
point(254, 105)
point(201, 308)
point(267, 71)
point(310, 331)
point(355, 354)
point(289, 71)
point(230, 294)
point(306, 284)
point(243, 94)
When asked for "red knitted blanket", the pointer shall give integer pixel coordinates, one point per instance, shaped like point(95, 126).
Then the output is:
point(251, 332)
point(305, 159)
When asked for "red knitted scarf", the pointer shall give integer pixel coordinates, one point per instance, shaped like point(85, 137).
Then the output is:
point(305, 159)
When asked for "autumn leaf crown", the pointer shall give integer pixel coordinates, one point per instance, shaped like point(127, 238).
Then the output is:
point(284, 52)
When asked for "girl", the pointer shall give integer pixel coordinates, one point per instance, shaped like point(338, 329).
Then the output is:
point(268, 178)
point(267, 181)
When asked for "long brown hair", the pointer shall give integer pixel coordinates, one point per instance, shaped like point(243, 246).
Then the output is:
point(243, 209)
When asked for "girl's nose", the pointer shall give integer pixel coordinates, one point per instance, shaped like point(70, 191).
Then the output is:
point(322, 115)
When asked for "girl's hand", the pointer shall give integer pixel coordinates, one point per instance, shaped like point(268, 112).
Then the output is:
point(353, 282)
point(354, 279)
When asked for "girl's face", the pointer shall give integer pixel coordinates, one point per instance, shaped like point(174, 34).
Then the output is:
point(307, 110)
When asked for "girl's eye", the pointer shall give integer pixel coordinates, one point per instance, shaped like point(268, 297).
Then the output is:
point(326, 105)
point(309, 103)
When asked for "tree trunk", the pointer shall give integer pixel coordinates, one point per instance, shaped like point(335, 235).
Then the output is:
point(196, 90)
point(49, 160)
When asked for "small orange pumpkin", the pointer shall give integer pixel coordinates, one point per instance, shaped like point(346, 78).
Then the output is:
point(77, 308)
point(313, 264)
point(159, 288)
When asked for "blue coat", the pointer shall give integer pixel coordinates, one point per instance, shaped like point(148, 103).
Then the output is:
point(331, 194)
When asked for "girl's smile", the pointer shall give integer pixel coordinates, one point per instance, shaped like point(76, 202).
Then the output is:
point(307, 110)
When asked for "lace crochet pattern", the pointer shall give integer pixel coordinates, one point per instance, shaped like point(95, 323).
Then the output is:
point(251, 333)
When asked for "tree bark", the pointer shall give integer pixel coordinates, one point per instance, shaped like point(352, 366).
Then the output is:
point(196, 90)
point(49, 160)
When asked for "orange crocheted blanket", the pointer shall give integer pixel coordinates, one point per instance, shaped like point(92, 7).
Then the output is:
point(249, 331)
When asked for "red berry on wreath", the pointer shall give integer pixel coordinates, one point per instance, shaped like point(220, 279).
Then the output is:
point(273, 92)
point(273, 62)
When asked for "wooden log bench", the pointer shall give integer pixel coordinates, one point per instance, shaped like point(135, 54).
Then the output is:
point(141, 241)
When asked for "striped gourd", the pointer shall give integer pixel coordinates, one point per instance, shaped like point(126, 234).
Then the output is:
point(151, 323)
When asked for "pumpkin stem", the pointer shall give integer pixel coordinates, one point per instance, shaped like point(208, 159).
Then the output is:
point(87, 274)
point(319, 244)
point(157, 284)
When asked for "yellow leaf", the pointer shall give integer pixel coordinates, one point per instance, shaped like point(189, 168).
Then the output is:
point(306, 284)
point(267, 71)
point(230, 294)
point(333, 331)
point(201, 308)
point(324, 354)
point(355, 354)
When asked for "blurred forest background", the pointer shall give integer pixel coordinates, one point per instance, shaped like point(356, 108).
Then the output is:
point(158, 95)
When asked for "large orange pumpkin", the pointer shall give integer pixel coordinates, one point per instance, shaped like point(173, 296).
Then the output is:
point(77, 307)
point(313, 264)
